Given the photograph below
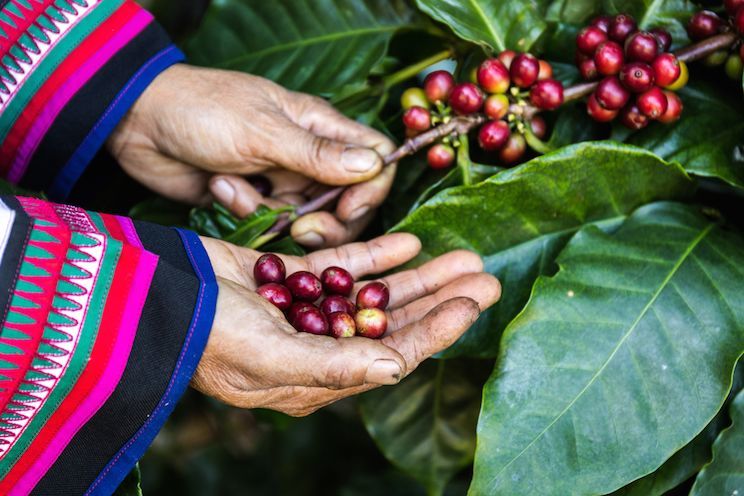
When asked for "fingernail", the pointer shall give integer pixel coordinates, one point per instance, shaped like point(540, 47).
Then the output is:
point(310, 238)
point(359, 159)
point(358, 213)
point(383, 372)
point(223, 191)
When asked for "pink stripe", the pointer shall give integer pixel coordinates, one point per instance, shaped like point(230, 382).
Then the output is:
point(109, 379)
point(62, 97)
point(129, 231)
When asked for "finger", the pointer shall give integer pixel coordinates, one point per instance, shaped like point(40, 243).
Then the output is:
point(436, 331)
point(362, 198)
point(285, 181)
point(484, 289)
point(292, 199)
point(373, 257)
point(238, 195)
point(323, 229)
point(410, 285)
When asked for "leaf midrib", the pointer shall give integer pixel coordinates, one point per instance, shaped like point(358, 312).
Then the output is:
point(484, 18)
point(643, 312)
point(655, 4)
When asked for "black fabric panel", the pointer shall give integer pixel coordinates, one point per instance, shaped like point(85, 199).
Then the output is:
point(160, 336)
point(13, 252)
point(88, 105)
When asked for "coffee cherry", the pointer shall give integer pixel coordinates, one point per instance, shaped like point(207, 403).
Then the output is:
point(621, 27)
point(611, 94)
point(547, 94)
point(538, 126)
point(632, 117)
point(440, 156)
point(261, 184)
point(513, 150)
point(609, 58)
point(337, 281)
point(296, 309)
point(466, 98)
point(414, 97)
point(637, 77)
point(311, 320)
point(269, 268)
point(653, 103)
point(734, 67)
point(506, 57)
point(602, 22)
point(496, 106)
point(371, 323)
point(666, 69)
point(546, 70)
point(663, 37)
point(341, 325)
point(597, 111)
point(589, 39)
point(641, 47)
point(703, 24)
point(732, 6)
point(674, 108)
point(417, 119)
point(588, 69)
point(276, 294)
point(304, 286)
point(493, 135)
point(438, 86)
point(739, 21)
point(337, 303)
point(493, 76)
point(373, 295)
point(524, 70)
point(682, 79)
point(716, 58)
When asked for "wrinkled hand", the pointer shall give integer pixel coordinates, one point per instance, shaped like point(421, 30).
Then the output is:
point(195, 132)
point(255, 359)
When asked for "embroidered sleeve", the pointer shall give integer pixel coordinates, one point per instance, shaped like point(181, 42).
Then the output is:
point(103, 323)
point(69, 71)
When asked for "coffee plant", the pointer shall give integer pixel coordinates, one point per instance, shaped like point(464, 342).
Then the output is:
point(591, 152)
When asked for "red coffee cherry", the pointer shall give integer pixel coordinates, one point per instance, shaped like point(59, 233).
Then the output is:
point(611, 94)
point(466, 98)
point(653, 103)
point(732, 6)
point(637, 77)
point(493, 135)
point(674, 108)
point(588, 69)
point(276, 294)
point(632, 117)
point(609, 58)
point(297, 308)
point(506, 57)
point(440, 156)
point(621, 27)
point(602, 22)
point(597, 111)
point(704, 24)
point(641, 47)
point(438, 86)
point(739, 21)
point(589, 39)
point(304, 286)
point(513, 150)
point(663, 37)
point(309, 319)
point(546, 70)
point(337, 281)
point(371, 323)
point(373, 295)
point(269, 268)
point(417, 119)
point(337, 303)
point(496, 107)
point(524, 70)
point(547, 94)
point(666, 69)
point(493, 76)
point(341, 325)
point(539, 126)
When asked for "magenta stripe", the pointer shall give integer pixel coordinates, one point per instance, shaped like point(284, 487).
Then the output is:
point(129, 231)
point(62, 97)
point(109, 379)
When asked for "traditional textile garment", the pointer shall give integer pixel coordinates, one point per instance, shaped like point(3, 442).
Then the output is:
point(103, 319)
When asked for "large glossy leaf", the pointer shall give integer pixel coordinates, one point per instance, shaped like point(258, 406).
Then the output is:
point(520, 219)
point(618, 361)
point(316, 46)
point(426, 425)
point(725, 474)
point(496, 24)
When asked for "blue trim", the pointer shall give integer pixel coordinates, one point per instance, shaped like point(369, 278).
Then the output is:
point(74, 168)
point(195, 341)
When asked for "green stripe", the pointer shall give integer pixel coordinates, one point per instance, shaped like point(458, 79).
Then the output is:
point(52, 60)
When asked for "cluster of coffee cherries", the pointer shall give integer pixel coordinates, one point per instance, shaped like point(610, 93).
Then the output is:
point(335, 314)
point(638, 75)
point(499, 86)
point(706, 23)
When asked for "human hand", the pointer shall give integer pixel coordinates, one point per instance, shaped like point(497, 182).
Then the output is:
point(255, 359)
point(195, 133)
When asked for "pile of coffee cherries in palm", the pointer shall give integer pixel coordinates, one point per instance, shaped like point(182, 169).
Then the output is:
point(335, 315)
point(706, 23)
point(638, 75)
point(500, 87)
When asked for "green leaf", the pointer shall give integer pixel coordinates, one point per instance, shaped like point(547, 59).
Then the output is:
point(520, 219)
point(426, 424)
point(316, 46)
point(618, 361)
point(725, 474)
point(130, 486)
point(496, 24)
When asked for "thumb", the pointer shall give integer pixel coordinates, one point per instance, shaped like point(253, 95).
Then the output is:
point(325, 160)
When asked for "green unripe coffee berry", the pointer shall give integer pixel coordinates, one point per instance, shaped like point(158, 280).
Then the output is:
point(734, 67)
point(414, 97)
point(716, 58)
